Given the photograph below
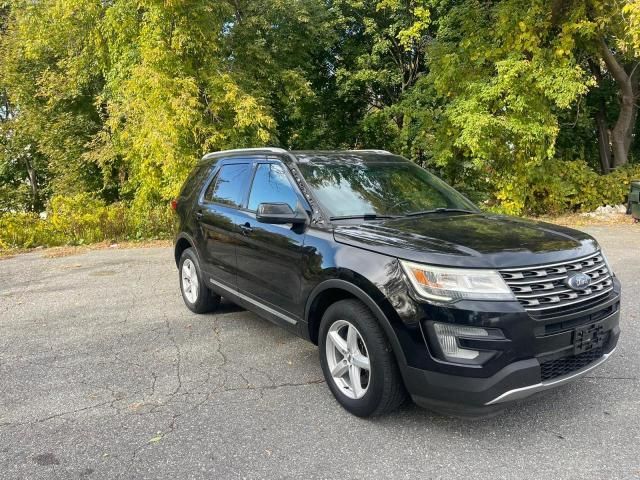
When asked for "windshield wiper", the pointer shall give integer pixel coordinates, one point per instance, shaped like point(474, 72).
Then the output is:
point(365, 216)
point(439, 210)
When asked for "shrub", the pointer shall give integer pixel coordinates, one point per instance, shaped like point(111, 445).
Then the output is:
point(559, 186)
point(152, 222)
point(81, 219)
point(25, 230)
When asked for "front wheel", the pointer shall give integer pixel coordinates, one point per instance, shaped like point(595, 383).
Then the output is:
point(357, 360)
point(196, 295)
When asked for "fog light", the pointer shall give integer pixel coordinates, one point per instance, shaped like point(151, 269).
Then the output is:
point(448, 334)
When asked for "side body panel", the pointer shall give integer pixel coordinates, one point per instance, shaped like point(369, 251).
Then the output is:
point(269, 263)
point(269, 256)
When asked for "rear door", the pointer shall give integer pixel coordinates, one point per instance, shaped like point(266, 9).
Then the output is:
point(269, 256)
point(219, 216)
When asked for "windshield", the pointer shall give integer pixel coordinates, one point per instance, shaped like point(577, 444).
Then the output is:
point(379, 188)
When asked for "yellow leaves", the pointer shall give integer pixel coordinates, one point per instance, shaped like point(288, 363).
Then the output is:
point(160, 113)
point(392, 5)
point(248, 116)
point(632, 12)
point(407, 37)
point(418, 20)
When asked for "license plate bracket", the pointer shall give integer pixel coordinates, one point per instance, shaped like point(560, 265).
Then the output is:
point(588, 338)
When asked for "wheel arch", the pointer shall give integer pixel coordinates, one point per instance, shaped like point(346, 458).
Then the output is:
point(333, 290)
point(183, 241)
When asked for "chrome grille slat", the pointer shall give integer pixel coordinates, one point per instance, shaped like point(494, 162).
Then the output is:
point(553, 279)
point(542, 287)
point(570, 303)
point(549, 265)
point(544, 293)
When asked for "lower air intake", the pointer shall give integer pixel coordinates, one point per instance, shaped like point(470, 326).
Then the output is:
point(566, 365)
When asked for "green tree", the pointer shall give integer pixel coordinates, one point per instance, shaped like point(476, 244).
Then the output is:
point(379, 57)
point(119, 99)
point(605, 39)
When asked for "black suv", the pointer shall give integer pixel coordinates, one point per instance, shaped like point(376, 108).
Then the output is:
point(402, 282)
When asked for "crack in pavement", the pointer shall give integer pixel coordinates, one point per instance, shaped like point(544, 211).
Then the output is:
point(57, 415)
point(171, 336)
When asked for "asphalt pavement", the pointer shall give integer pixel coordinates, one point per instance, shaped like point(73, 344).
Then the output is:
point(105, 374)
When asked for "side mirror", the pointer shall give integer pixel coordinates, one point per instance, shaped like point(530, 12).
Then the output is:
point(280, 213)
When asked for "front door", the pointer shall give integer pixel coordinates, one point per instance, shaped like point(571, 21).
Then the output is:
point(270, 256)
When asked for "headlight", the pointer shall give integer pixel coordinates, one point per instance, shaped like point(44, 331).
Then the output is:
point(451, 284)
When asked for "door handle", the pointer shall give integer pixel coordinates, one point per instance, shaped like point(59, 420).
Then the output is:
point(199, 214)
point(246, 229)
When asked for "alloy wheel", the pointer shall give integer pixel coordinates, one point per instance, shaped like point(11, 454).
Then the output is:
point(348, 359)
point(190, 283)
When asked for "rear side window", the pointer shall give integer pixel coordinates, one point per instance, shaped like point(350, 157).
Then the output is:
point(271, 185)
point(229, 185)
point(195, 179)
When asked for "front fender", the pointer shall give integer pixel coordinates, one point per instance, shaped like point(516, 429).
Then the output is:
point(365, 298)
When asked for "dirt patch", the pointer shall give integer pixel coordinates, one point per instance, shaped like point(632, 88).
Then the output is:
point(68, 250)
point(579, 220)
point(56, 252)
point(103, 273)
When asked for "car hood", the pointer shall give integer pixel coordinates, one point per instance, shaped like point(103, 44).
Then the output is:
point(469, 240)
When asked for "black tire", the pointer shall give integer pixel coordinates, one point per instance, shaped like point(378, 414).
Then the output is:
point(205, 301)
point(385, 390)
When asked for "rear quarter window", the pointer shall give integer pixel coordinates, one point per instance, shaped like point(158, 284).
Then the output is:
point(194, 179)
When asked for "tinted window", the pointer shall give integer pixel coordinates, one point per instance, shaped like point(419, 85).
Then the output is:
point(229, 185)
point(380, 188)
point(271, 185)
point(194, 179)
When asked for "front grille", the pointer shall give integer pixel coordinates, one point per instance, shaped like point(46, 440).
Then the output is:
point(565, 365)
point(543, 288)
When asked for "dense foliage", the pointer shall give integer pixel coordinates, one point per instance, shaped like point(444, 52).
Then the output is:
point(527, 106)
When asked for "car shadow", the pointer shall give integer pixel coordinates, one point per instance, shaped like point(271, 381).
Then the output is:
point(227, 306)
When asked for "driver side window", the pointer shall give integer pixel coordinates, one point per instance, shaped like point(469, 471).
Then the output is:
point(271, 185)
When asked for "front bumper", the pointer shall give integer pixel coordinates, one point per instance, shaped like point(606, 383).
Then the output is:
point(478, 391)
point(523, 392)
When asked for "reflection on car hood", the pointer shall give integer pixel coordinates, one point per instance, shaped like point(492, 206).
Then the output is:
point(476, 240)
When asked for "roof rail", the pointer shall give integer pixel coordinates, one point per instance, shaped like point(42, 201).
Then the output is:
point(245, 150)
point(372, 150)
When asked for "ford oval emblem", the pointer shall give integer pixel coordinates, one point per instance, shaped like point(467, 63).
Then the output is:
point(578, 281)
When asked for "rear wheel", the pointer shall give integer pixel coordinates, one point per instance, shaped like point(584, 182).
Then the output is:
point(196, 295)
point(357, 360)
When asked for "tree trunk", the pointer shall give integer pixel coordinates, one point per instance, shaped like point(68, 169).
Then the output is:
point(604, 146)
point(33, 181)
point(621, 134)
point(5, 106)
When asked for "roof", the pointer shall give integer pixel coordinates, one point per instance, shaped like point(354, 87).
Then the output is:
point(347, 156)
